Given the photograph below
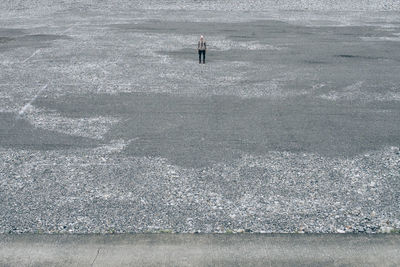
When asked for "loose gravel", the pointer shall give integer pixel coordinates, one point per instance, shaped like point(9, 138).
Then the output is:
point(97, 190)
point(108, 124)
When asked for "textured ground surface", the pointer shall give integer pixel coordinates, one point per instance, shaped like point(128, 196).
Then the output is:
point(109, 124)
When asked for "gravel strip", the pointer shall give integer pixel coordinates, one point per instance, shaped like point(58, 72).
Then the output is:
point(98, 191)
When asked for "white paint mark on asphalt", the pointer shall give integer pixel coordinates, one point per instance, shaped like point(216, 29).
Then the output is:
point(22, 111)
point(37, 51)
point(34, 53)
point(70, 28)
point(134, 139)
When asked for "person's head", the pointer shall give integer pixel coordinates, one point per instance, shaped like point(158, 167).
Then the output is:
point(201, 37)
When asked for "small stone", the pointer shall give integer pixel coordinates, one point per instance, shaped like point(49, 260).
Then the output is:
point(396, 150)
point(386, 229)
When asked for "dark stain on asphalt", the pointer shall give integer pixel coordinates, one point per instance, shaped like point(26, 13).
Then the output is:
point(20, 134)
point(11, 40)
point(5, 39)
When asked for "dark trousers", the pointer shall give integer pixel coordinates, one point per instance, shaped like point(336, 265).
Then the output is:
point(204, 56)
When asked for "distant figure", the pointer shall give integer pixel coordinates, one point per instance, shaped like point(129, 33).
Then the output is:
point(202, 47)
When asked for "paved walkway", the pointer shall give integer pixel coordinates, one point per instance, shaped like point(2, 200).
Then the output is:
point(199, 250)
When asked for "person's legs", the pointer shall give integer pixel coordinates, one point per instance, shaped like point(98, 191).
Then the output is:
point(204, 57)
point(199, 56)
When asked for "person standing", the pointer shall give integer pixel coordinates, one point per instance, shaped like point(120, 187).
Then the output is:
point(202, 48)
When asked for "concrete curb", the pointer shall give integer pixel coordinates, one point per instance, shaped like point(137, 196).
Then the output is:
point(200, 250)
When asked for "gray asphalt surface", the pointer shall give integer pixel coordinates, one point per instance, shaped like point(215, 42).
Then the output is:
point(200, 250)
point(109, 124)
